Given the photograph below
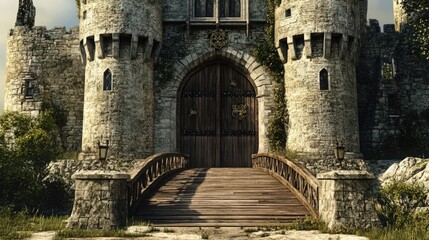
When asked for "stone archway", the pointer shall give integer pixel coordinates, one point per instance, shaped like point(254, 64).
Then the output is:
point(165, 135)
point(217, 116)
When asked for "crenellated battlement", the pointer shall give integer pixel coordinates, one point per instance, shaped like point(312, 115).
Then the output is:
point(57, 33)
point(297, 17)
point(45, 65)
point(119, 46)
point(105, 70)
point(317, 45)
point(120, 40)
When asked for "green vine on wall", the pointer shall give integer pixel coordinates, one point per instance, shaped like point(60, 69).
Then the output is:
point(78, 7)
point(266, 53)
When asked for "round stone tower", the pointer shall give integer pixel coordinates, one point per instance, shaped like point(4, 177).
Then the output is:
point(120, 41)
point(399, 15)
point(318, 43)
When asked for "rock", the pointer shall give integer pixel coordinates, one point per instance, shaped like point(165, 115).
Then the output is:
point(43, 235)
point(140, 229)
point(26, 14)
point(410, 170)
point(259, 234)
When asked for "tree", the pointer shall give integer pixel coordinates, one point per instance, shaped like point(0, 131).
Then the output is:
point(27, 145)
point(418, 12)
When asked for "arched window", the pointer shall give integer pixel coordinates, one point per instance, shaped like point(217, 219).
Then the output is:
point(209, 8)
point(324, 79)
point(107, 80)
point(204, 8)
point(234, 8)
point(229, 8)
point(198, 8)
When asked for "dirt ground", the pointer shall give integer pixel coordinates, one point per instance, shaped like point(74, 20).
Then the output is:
point(223, 233)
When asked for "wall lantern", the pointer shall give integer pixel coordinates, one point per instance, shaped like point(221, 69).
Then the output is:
point(339, 151)
point(102, 150)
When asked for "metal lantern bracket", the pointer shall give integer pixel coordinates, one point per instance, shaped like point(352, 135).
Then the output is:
point(339, 151)
point(102, 150)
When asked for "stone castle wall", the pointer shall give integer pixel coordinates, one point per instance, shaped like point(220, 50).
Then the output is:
point(318, 43)
point(185, 47)
point(392, 82)
point(120, 38)
point(52, 59)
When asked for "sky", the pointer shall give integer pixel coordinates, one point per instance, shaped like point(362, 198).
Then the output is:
point(57, 13)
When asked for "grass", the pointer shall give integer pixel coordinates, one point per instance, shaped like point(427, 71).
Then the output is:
point(405, 233)
point(20, 225)
point(251, 230)
point(412, 231)
point(76, 233)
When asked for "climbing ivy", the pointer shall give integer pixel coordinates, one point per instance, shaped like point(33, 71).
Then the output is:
point(78, 7)
point(266, 53)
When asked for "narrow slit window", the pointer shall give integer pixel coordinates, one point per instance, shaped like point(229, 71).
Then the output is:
point(107, 80)
point(30, 88)
point(324, 80)
point(288, 12)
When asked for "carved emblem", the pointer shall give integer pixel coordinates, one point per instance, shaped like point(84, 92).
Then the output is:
point(218, 39)
point(239, 111)
point(234, 83)
point(193, 112)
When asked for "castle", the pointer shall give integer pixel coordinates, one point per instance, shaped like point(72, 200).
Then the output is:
point(154, 76)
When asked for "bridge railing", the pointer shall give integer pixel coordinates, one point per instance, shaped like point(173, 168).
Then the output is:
point(299, 179)
point(147, 174)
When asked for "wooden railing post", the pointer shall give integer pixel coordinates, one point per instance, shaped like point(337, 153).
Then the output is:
point(299, 179)
point(149, 172)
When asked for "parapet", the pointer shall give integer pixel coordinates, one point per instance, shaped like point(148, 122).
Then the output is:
point(54, 33)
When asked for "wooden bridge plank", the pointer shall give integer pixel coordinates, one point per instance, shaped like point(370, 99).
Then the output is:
point(222, 197)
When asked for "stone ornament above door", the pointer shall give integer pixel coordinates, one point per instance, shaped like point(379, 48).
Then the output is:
point(218, 39)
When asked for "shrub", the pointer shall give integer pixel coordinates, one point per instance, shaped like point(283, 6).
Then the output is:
point(19, 225)
point(398, 203)
point(26, 147)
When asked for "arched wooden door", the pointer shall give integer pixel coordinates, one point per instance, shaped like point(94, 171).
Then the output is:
point(218, 117)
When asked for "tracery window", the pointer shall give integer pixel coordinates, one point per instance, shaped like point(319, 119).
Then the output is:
point(205, 10)
point(229, 8)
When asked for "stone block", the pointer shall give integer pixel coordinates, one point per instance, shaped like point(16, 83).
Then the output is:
point(101, 202)
point(346, 199)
